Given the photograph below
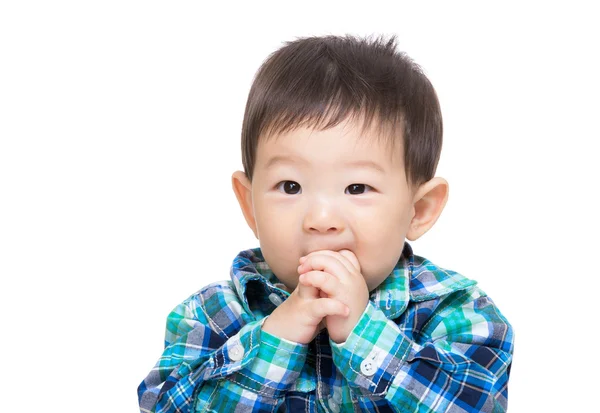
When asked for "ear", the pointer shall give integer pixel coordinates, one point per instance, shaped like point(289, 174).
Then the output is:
point(428, 203)
point(242, 187)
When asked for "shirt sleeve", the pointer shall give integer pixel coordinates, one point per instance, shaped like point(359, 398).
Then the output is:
point(217, 355)
point(451, 355)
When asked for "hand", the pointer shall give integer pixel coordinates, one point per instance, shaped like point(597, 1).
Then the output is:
point(300, 318)
point(338, 276)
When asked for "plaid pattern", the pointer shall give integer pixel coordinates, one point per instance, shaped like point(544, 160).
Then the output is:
point(429, 341)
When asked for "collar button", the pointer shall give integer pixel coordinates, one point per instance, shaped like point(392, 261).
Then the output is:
point(275, 299)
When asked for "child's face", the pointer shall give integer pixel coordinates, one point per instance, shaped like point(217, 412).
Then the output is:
point(329, 203)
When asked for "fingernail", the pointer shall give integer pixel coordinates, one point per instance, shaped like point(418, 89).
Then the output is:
point(302, 259)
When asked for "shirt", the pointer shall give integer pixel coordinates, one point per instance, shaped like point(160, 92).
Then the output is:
point(429, 340)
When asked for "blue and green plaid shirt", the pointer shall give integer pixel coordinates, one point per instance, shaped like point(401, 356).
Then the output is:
point(429, 341)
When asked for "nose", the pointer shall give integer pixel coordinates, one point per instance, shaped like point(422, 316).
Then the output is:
point(323, 217)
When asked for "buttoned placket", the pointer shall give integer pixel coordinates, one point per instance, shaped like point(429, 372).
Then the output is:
point(320, 397)
point(324, 401)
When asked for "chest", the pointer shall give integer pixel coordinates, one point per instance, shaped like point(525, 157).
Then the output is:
point(321, 387)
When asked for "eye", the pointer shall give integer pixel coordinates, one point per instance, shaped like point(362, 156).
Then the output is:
point(289, 187)
point(358, 189)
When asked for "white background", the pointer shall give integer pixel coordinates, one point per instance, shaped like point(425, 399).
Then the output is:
point(120, 129)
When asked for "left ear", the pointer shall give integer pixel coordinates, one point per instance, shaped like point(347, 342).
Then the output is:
point(428, 203)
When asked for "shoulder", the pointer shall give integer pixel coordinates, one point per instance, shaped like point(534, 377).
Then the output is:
point(216, 305)
point(217, 296)
point(429, 281)
point(454, 303)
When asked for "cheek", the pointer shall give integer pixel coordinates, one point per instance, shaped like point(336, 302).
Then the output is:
point(380, 264)
point(275, 225)
point(380, 225)
point(381, 238)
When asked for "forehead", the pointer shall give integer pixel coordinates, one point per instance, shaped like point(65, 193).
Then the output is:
point(344, 143)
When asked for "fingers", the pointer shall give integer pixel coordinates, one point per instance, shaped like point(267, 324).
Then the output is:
point(327, 261)
point(351, 257)
point(346, 257)
point(325, 282)
point(307, 292)
point(323, 307)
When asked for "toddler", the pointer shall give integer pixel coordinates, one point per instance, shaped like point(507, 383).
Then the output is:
point(334, 313)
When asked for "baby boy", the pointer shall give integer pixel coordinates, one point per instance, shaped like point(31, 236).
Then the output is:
point(340, 143)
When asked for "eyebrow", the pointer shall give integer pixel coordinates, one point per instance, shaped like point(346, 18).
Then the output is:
point(298, 159)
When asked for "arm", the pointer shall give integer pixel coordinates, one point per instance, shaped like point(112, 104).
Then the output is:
point(216, 354)
point(452, 354)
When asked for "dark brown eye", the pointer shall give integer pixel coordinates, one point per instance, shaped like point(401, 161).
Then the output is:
point(357, 189)
point(290, 187)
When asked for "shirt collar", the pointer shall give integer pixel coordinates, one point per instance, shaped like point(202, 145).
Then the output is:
point(414, 278)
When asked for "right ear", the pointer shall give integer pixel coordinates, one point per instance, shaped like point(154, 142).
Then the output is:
point(242, 187)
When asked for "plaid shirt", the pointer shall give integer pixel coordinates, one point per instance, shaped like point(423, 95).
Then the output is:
point(429, 340)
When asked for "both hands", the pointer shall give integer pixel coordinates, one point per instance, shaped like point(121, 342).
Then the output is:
point(337, 275)
point(331, 293)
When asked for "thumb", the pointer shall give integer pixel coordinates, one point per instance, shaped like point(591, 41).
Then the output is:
point(349, 255)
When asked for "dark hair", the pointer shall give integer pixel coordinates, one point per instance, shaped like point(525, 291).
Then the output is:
point(313, 79)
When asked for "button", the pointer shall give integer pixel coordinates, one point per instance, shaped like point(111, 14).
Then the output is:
point(367, 367)
point(275, 299)
point(236, 352)
point(337, 394)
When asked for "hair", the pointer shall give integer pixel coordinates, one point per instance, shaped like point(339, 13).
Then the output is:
point(314, 79)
